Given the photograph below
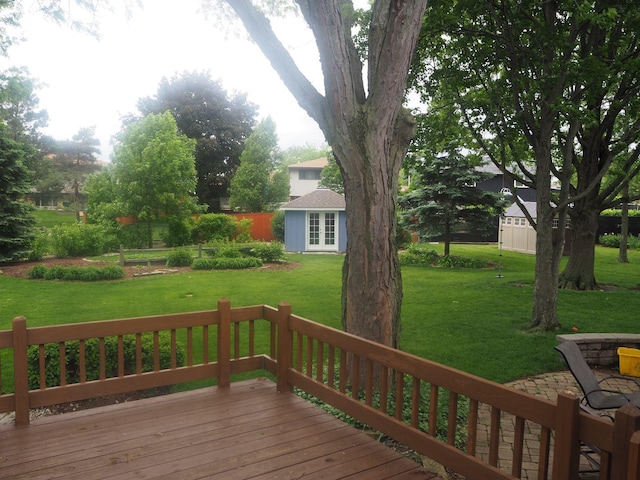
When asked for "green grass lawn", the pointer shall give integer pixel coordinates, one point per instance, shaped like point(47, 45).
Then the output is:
point(468, 319)
point(51, 218)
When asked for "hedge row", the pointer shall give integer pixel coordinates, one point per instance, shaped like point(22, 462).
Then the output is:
point(92, 358)
point(84, 274)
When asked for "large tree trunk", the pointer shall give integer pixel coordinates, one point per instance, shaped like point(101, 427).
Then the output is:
point(579, 271)
point(549, 246)
point(369, 133)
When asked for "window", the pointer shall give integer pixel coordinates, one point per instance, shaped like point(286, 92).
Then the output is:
point(309, 174)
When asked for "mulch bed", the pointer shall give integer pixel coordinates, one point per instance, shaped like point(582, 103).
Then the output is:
point(21, 269)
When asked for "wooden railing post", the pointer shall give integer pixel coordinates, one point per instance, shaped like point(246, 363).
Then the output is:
point(285, 347)
point(20, 370)
point(626, 423)
point(566, 452)
point(633, 470)
point(224, 343)
point(121, 257)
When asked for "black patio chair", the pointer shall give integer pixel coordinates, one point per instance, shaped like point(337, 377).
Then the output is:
point(594, 395)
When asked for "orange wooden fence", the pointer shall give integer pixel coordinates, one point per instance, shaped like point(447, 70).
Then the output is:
point(261, 226)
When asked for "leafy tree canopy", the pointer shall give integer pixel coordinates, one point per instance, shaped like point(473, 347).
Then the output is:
point(259, 185)
point(153, 171)
point(219, 122)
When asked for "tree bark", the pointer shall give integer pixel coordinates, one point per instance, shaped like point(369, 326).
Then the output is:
point(579, 273)
point(548, 246)
point(369, 132)
point(624, 224)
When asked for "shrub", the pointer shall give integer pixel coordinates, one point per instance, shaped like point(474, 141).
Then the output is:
point(277, 226)
point(268, 252)
point(227, 251)
point(39, 247)
point(134, 235)
point(203, 264)
point(214, 227)
point(179, 258)
point(243, 230)
point(417, 255)
point(177, 233)
point(92, 358)
point(54, 273)
point(613, 240)
point(37, 272)
point(80, 239)
point(226, 263)
point(86, 274)
point(112, 272)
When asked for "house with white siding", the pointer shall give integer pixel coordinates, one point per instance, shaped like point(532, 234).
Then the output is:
point(304, 177)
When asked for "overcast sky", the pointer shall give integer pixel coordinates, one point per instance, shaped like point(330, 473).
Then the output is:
point(94, 82)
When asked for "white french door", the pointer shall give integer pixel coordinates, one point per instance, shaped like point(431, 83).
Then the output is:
point(322, 233)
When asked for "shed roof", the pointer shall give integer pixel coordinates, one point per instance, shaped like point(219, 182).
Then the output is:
point(322, 198)
point(514, 210)
point(317, 163)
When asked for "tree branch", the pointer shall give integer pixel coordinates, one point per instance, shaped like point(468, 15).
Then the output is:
point(260, 30)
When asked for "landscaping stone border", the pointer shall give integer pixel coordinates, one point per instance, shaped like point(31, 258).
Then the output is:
point(601, 349)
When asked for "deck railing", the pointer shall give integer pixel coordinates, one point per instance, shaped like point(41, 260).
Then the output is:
point(431, 408)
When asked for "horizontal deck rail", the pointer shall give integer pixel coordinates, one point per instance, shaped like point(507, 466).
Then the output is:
point(431, 408)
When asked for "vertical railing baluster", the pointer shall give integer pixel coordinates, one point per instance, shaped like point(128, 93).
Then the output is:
point(494, 436)
point(120, 356)
point(174, 348)
point(384, 388)
point(224, 343)
point(42, 364)
point(189, 346)
point(472, 427)
point(415, 403)
point(399, 394)
point(62, 355)
point(252, 334)
point(138, 353)
point(83, 364)
point(205, 344)
point(452, 418)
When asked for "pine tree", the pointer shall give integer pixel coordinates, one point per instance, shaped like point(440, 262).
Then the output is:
point(447, 196)
point(16, 221)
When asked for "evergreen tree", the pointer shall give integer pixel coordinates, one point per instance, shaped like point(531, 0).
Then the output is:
point(16, 221)
point(447, 196)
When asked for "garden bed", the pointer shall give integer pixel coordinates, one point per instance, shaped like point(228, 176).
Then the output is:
point(21, 269)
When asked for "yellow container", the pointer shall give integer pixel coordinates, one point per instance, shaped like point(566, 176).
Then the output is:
point(629, 361)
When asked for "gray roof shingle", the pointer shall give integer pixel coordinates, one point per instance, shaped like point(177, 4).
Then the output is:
point(321, 198)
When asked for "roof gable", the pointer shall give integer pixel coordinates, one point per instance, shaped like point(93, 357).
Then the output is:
point(321, 198)
point(317, 163)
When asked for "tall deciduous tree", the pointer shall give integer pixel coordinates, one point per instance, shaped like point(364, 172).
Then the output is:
point(537, 72)
point(218, 121)
point(364, 122)
point(258, 185)
point(154, 170)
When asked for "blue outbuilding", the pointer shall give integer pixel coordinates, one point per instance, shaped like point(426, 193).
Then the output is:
point(315, 222)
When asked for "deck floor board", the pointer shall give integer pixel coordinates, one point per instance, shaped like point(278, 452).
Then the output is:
point(248, 431)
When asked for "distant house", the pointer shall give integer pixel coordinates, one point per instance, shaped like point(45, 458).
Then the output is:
point(503, 184)
point(315, 222)
point(304, 177)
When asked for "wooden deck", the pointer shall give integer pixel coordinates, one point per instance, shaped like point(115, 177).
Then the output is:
point(246, 431)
